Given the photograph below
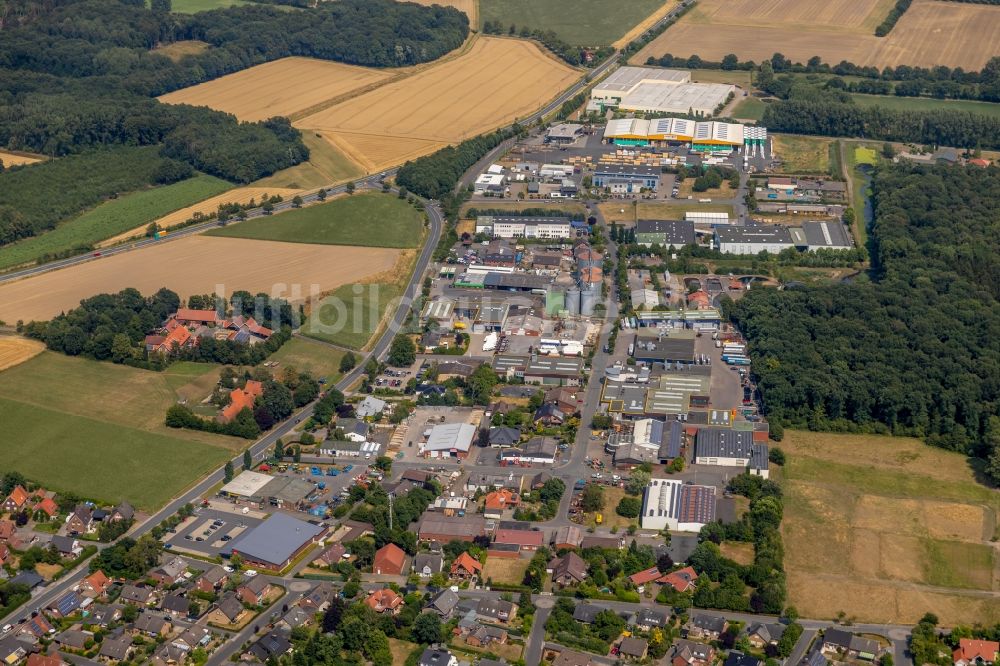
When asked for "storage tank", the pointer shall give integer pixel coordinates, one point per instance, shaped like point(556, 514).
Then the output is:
point(588, 300)
point(573, 300)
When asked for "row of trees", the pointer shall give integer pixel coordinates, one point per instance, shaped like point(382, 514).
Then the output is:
point(983, 85)
point(909, 353)
point(897, 11)
point(574, 55)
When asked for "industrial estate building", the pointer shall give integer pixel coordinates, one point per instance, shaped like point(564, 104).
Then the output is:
point(626, 178)
point(673, 505)
point(277, 541)
point(774, 238)
point(665, 232)
point(731, 448)
point(655, 90)
point(520, 226)
point(708, 136)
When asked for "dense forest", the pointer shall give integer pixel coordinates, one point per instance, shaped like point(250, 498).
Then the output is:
point(914, 351)
point(113, 327)
point(77, 76)
point(960, 129)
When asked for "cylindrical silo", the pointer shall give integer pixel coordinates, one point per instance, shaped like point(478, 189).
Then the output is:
point(588, 300)
point(573, 300)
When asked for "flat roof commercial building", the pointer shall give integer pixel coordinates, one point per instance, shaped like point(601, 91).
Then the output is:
point(819, 235)
point(521, 226)
point(658, 90)
point(772, 238)
point(665, 232)
point(731, 448)
point(639, 175)
point(277, 541)
point(554, 370)
point(438, 527)
point(449, 440)
point(563, 133)
point(673, 505)
point(704, 136)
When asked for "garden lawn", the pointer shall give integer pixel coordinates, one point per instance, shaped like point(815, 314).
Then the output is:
point(350, 319)
point(370, 219)
point(113, 217)
point(305, 355)
point(579, 22)
point(750, 108)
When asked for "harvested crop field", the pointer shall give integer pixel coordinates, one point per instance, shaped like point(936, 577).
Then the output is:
point(930, 33)
point(278, 88)
point(327, 165)
point(17, 159)
point(14, 351)
point(496, 81)
point(197, 265)
point(240, 195)
point(898, 521)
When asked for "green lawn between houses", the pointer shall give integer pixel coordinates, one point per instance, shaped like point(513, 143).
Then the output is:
point(370, 219)
point(114, 217)
point(580, 22)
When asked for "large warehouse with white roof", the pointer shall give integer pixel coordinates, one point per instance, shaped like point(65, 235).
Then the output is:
point(655, 90)
point(708, 136)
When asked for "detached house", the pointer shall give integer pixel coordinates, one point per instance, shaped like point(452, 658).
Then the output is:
point(975, 653)
point(240, 399)
point(170, 573)
point(498, 501)
point(706, 627)
point(95, 584)
point(16, 501)
point(81, 521)
point(691, 653)
point(570, 569)
point(427, 564)
point(385, 601)
point(389, 559)
point(466, 567)
point(681, 580)
point(122, 512)
point(253, 591)
point(760, 635)
point(211, 580)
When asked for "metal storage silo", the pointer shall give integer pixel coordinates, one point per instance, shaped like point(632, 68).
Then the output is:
point(573, 300)
point(588, 300)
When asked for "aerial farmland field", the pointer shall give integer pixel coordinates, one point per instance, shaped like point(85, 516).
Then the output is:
point(14, 351)
point(493, 83)
point(904, 529)
point(197, 265)
point(279, 88)
point(930, 33)
point(581, 22)
point(17, 159)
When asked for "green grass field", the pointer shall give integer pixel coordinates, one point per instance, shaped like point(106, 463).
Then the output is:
point(326, 166)
point(750, 108)
point(307, 355)
point(371, 219)
point(350, 319)
point(194, 6)
point(581, 22)
point(863, 155)
point(97, 428)
point(927, 104)
point(113, 217)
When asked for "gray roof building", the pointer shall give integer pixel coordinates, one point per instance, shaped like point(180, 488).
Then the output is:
point(832, 235)
point(231, 607)
point(504, 436)
point(665, 232)
point(720, 443)
point(444, 603)
point(669, 350)
point(277, 540)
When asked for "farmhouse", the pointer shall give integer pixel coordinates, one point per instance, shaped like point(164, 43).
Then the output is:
point(277, 541)
point(669, 504)
point(677, 233)
point(659, 91)
point(731, 448)
point(753, 239)
point(972, 652)
point(389, 559)
point(465, 567)
point(240, 399)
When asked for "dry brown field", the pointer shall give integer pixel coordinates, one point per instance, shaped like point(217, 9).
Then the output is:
point(507, 570)
point(373, 152)
point(885, 529)
point(496, 81)
point(240, 195)
point(17, 350)
point(19, 158)
point(737, 551)
point(646, 24)
point(177, 50)
point(278, 88)
point(931, 33)
point(197, 265)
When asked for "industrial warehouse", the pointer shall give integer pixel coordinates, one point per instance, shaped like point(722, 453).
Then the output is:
point(703, 136)
point(654, 90)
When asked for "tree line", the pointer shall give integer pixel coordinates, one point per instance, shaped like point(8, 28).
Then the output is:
point(896, 13)
point(939, 81)
point(909, 352)
point(113, 327)
point(573, 55)
point(961, 129)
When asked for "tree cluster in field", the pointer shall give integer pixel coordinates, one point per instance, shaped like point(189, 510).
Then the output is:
point(903, 80)
point(910, 351)
point(437, 174)
point(35, 199)
point(128, 558)
point(896, 13)
point(766, 574)
point(943, 127)
point(113, 327)
point(574, 55)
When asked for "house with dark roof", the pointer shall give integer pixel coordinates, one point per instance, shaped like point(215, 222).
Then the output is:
point(706, 627)
point(737, 658)
point(123, 511)
point(136, 594)
point(253, 591)
point(296, 617)
point(73, 639)
point(437, 656)
point(151, 624)
point(81, 521)
point(814, 658)
point(211, 580)
point(570, 569)
point(633, 648)
point(502, 436)
point(318, 599)
point(443, 603)
point(230, 608)
point(651, 618)
point(177, 605)
point(426, 565)
point(496, 610)
point(66, 605)
point(67, 546)
point(760, 634)
point(692, 653)
point(836, 640)
point(115, 649)
point(586, 613)
point(171, 572)
point(272, 645)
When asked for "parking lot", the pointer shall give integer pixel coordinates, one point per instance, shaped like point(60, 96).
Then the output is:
point(208, 531)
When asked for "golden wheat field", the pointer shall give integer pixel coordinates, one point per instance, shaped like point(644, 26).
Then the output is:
point(495, 82)
point(17, 159)
point(17, 350)
point(931, 32)
point(197, 265)
point(279, 88)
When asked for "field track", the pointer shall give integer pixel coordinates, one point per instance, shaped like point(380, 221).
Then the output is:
point(197, 265)
point(278, 88)
point(931, 32)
